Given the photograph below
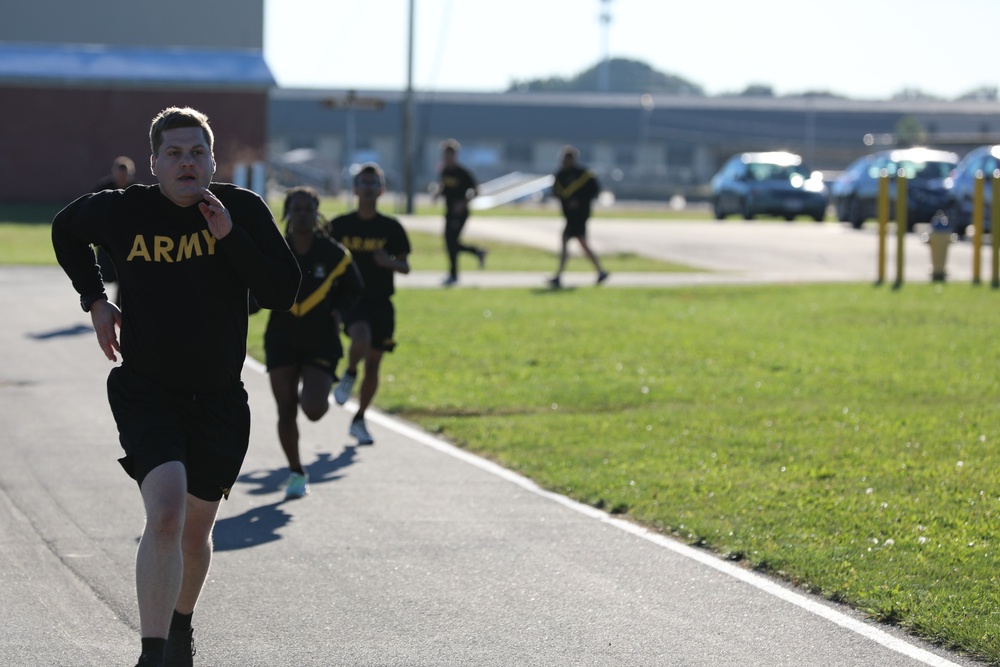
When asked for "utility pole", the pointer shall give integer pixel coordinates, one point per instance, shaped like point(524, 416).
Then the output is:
point(408, 121)
point(603, 73)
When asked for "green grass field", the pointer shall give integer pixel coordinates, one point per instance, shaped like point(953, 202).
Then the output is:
point(842, 437)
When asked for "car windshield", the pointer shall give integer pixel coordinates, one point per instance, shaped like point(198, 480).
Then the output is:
point(925, 170)
point(764, 171)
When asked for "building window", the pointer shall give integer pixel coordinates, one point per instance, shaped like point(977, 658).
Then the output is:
point(518, 152)
point(625, 155)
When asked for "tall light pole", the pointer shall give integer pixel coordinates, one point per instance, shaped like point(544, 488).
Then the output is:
point(408, 120)
point(603, 73)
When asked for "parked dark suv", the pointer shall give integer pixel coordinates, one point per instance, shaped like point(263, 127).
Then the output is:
point(855, 191)
point(959, 210)
point(772, 183)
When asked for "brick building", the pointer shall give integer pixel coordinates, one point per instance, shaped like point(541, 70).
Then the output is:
point(80, 89)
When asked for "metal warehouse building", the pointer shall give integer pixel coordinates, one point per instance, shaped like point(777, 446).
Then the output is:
point(649, 146)
point(80, 82)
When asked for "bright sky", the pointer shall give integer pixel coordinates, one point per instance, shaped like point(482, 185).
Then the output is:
point(865, 49)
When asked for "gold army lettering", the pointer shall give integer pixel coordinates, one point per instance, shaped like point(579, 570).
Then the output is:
point(363, 244)
point(165, 249)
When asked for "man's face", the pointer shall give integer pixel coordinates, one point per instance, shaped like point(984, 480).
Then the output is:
point(368, 188)
point(183, 165)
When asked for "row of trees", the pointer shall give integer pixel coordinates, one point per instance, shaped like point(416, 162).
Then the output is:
point(633, 76)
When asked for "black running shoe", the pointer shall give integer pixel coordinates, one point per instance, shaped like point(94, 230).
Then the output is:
point(146, 661)
point(180, 649)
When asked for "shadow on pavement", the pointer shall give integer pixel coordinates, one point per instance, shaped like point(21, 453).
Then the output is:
point(260, 525)
point(58, 333)
point(250, 529)
point(323, 469)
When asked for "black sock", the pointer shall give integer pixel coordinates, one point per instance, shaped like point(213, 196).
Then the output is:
point(180, 622)
point(301, 471)
point(153, 647)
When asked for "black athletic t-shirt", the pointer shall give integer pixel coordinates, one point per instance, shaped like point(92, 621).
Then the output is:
point(330, 280)
point(363, 238)
point(456, 181)
point(183, 293)
point(576, 187)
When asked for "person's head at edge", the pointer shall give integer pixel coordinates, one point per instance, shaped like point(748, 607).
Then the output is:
point(122, 171)
point(182, 157)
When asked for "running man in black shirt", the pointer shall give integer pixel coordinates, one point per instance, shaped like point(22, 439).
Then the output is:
point(458, 186)
point(188, 251)
point(576, 187)
point(380, 247)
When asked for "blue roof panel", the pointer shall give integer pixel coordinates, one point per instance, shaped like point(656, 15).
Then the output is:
point(100, 64)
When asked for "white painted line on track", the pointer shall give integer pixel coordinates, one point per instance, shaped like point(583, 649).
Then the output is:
point(862, 628)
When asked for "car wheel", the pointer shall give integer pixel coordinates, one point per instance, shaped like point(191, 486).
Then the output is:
point(841, 208)
point(717, 210)
point(854, 214)
point(747, 209)
point(789, 217)
point(819, 216)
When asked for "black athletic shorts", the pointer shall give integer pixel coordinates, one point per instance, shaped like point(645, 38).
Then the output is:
point(208, 433)
point(576, 228)
point(323, 355)
point(381, 317)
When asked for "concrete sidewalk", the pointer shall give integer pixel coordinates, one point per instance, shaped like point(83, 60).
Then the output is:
point(408, 552)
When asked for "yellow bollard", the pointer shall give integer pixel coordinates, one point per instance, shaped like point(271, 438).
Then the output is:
point(994, 226)
point(902, 211)
point(977, 226)
point(883, 221)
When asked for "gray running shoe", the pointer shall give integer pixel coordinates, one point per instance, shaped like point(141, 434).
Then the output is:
point(342, 391)
point(360, 431)
point(296, 486)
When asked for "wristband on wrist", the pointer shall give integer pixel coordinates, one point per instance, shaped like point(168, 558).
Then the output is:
point(88, 300)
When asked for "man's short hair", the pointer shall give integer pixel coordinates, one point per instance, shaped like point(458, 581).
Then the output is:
point(451, 145)
point(569, 151)
point(370, 168)
point(173, 118)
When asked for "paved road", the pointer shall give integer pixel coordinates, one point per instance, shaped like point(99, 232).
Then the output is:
point(732, 252)
point(409, 552)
